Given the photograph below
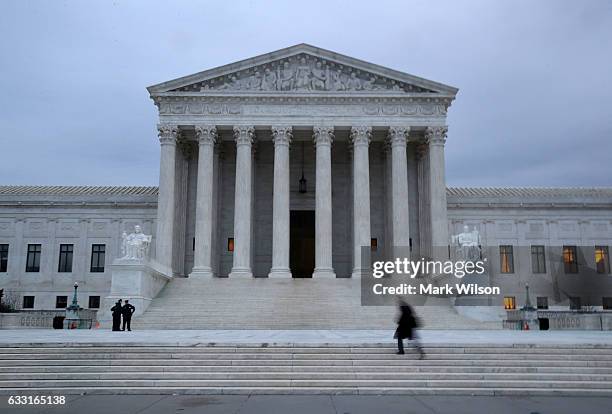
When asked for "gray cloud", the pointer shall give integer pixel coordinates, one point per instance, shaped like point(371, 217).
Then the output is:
point(533, 108)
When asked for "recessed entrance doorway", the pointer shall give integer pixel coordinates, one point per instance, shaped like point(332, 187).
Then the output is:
point(302, 243)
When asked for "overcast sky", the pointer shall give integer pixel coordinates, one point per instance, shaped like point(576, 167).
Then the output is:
point(535, 79)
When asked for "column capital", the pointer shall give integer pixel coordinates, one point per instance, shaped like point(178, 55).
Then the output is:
point(398, 135)
point(323, 135)
point(361, 135)
point(206, 134)
point(282, 135)
point(436, 135)
point(244, 135)
point(168, 133)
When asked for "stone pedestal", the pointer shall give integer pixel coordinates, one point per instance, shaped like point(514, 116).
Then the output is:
point(135, 280)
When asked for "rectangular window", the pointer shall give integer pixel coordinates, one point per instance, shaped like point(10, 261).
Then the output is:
point(374, 244)
point(602, 259)
point(509, 302)
point(28, 302)
point(570, 259)
point(65, 258)
point(33, 258)
point(538, 259)
point(3, 257)
point(575, 303)
point(98, 253)
point(230, 244)
point(542, 302)
point(94, 302)
point(607, 302)
point(61, 302)
point(506, 259)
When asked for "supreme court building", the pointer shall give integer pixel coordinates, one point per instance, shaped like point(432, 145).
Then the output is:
point(283, 166)
point(338, 152)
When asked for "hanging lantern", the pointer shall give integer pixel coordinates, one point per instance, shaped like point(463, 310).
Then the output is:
point(303, 185)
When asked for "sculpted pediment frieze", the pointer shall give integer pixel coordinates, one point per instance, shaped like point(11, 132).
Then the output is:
point(302, 73)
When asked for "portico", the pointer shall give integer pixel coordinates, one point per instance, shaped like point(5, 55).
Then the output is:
point(236, 140)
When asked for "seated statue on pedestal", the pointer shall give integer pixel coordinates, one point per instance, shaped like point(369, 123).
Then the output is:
point(135, 245)
point(467, 245)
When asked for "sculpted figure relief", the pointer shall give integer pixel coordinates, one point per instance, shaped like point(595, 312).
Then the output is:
point(467, 244)
point(353, 83)
point(319, 78)
point(286, 77)
point(269, 81)
point(303, 75)
point(135, 245)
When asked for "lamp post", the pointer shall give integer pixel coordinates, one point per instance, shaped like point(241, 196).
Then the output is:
point(75, 304)
point(528, 305)
point(72, 319)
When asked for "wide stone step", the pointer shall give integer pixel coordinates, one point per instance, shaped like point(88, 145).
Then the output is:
point(126, 351)
point(297, 357)
point(347, 375)
point(409, 360)
point(362, 390)
point(503, 383)
point(450, 369)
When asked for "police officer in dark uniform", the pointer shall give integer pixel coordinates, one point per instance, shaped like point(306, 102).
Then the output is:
point(127, 311)
point(117, 310)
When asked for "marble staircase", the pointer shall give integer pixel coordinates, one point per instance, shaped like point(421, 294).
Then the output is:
point(459, 369)
point(262, 303)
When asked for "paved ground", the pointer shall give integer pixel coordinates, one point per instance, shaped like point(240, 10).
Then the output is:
point(316, 404)
point(193, 337)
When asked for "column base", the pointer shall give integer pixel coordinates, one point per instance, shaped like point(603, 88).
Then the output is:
point(202, 273)
point(324, 273)
point(243, 273)
point(280, 273)
point(358, 273)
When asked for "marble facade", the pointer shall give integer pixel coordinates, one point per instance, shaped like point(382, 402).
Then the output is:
point(234, 143)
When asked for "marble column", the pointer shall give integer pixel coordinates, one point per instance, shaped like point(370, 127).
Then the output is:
point(360, 138)
point(280, 209)
point(202, 262)
point(422, 156)
point(436, 136)
point(323, 137)
point(244, 136)
point(399, 189)
point(168, 135)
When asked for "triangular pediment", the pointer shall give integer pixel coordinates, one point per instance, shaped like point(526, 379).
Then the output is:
point(302, 69)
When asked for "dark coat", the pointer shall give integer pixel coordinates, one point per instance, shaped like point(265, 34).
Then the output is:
point(116, 310)
point(127, 310)
point(406, 323)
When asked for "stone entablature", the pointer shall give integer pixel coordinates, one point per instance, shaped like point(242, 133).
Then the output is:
point(189, 109)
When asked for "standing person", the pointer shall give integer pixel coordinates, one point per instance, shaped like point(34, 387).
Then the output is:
point(116, 310)
point(406, 325)
point(127, 311)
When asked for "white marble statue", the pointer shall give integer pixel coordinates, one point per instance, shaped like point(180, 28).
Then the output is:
point(467, 244)
point(135, 245)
